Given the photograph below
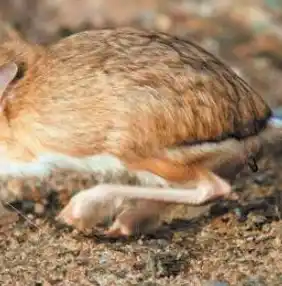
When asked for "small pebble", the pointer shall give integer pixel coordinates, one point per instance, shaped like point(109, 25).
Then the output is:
point(103, 259)
point(39, 208)
point(140, 242)
point(30, 216)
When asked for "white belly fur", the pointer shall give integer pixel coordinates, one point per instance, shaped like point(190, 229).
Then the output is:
point(46, 163)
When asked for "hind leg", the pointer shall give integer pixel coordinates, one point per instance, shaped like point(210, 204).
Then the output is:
point(187, 181)
point(146, 217)
point(90, 206)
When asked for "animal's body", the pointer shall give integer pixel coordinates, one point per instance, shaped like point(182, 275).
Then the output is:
point(117, 99)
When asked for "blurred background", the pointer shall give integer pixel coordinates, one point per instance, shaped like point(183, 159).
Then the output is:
point(247, 34)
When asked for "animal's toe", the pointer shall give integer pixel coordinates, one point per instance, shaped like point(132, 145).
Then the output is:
point(66, 217)
point(74, 215)
point(86, 209)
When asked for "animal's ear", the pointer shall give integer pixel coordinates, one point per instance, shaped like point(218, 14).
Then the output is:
point(7, 73)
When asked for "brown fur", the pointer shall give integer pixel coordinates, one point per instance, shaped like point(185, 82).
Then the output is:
point(119, 75)
point(145, 97)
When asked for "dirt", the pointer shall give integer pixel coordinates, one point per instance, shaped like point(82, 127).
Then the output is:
point(221, 244)
point(234, 243)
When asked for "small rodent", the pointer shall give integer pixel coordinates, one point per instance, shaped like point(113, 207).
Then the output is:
point(128, 99)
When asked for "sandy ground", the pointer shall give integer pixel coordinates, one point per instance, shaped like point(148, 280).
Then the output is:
point(239, 244)
point(224, 244)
